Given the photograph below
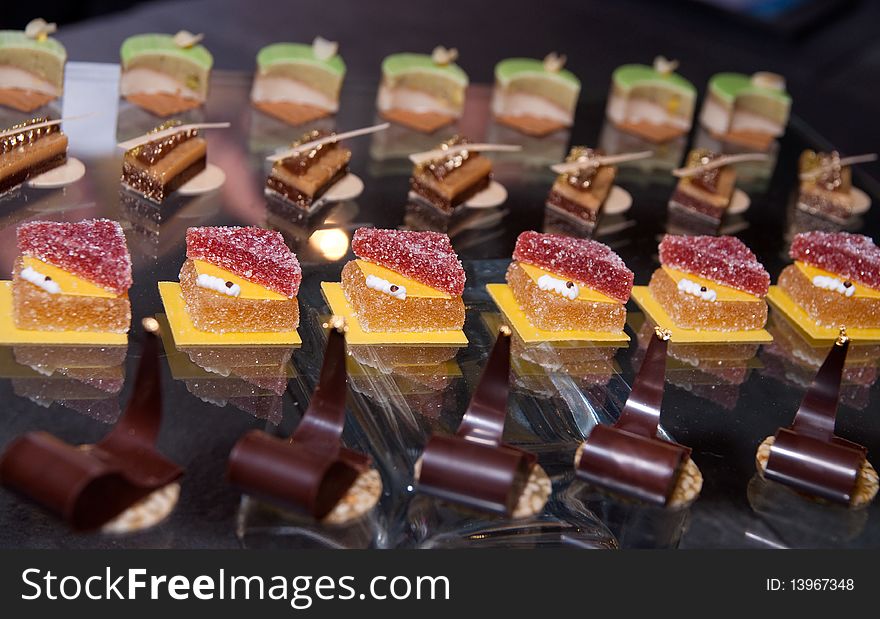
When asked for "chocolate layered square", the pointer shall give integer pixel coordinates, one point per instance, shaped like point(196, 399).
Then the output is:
point(27, 151)
point(448, 182)
point(826, 186)
point(706, 194)
point(582, 194)
point(304, 177)
point(158, 168)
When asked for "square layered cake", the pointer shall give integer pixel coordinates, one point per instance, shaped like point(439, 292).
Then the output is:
point(238, 279)
point(159, 167)
point(452, 179)
point(709, 283)
point(563, 283)
point(29, 149)
point(582, 194)
point(72, 276)
point(825, 186)
point(305, 176)
point(404, 281)
point(706, 193)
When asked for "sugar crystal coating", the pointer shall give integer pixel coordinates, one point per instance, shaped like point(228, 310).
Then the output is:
point(722, 259)
point(93, 249)
point(256, 254)
point(853, 256)
point(426, 257)
point(827, 307)
point(587, 262)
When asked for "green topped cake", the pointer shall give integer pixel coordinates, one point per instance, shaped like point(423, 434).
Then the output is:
point(298, 83)
point(652, 102)
point(536, 97)
point(751, 110)
point(165, 74)
point(31, 66)
point(421, 91)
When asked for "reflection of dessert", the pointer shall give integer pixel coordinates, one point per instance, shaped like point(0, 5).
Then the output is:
point(835, 278)
point(29, 149)
point(582, 193)
point(165, 74)
point(710, 283)
point(423, 92)
point(425, 367)
point(533, 96)
point(305, 176)
point(240, 280)
point(451, 180)
point(707, 193)
point(563, 283)
point(404, 281)
point(158, 168)
point(825, 186)
point(31, 66)
point(298, 83)
point(750, 110)
point(652, 102)
point(72, 277)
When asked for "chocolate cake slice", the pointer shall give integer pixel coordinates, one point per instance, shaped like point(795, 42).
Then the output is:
point(706, 194)
point(304, 177)
point(826, 186)
point(158, 168)
point(449, 181)
point(27, 150)
point(582, 194)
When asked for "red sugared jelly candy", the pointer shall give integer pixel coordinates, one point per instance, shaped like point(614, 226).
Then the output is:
point(93, 249)
point(426, 257)
point(258, 255)
point(588, 262)
point(853, 256)
point(722, 259)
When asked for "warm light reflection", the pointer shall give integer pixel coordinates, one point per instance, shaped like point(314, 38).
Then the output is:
point(332, 243)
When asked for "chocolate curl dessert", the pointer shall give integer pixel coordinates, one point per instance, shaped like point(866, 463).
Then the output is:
point(807, 456)
point(474, 467)
point(89, 485)
point(310, 471)
point(628, 458)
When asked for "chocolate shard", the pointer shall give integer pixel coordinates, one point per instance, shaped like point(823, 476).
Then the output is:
point(474, 467)
point(88, 486)
point(310, 471)
point(628, 458)
point(807, 455)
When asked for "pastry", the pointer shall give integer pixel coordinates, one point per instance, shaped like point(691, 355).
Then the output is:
point(563, 283)
point(706, 193)
point(239, 279)
point(709, 283)
point(303, 177)
point(31, 66)
point(582, 193)
point(29, 149)
point(421, 91)
point(825, 186)
point(165, 74)
point(750, 110)
point(404, 281)
point(158, 168)
point(536, 97)
point(654, 103)
point(448, 181)
point(835, 278)
point(72, 277)
point(298, 83)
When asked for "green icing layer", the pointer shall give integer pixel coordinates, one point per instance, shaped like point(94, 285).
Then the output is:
point(281, 53)
point(399, 64)
point(630, 75)
point(728, 86)
point(515, 67)
point(17, 39)
point(142, 44)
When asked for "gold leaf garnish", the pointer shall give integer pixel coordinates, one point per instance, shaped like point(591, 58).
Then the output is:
point(663, 334)
point(554, 62)
point(842, 337)
point(39, 29)
point(442, 56)
point(324, 49)
point(186, 39)
point(664, 66)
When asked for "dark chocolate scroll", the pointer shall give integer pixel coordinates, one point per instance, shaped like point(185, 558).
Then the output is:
point(807, 455)
point(310, 471)
point(474, 467)
point(628, 458)
point(90, 485)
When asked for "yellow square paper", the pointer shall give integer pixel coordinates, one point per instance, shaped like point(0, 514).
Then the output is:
point(186, 334)
point(645, 300)
point(12, 335)
point(785, 304)
point(530, 334)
